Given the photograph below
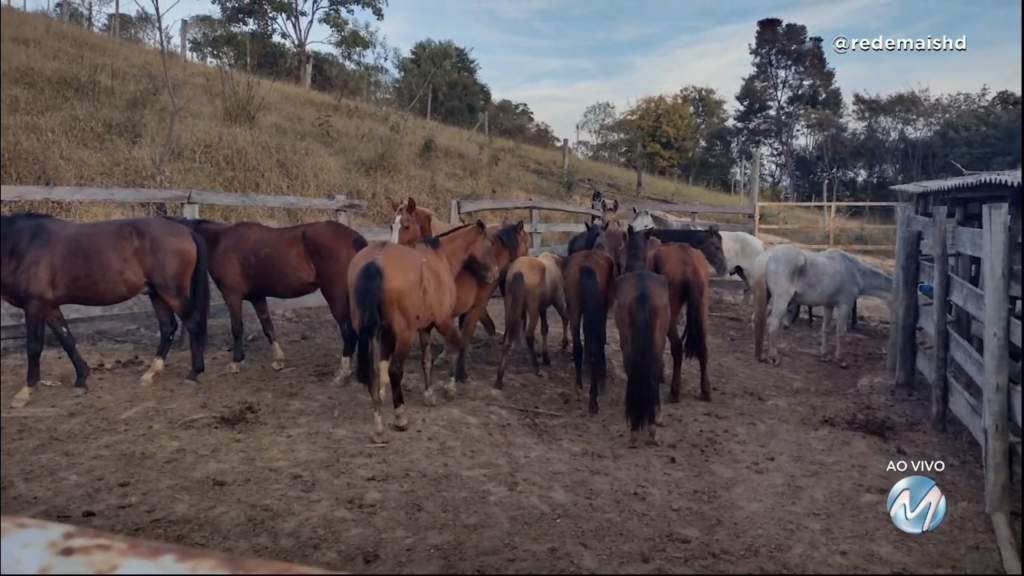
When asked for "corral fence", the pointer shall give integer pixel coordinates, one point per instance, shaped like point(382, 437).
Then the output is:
point(833, 225)
point(537, 228)
point(31, 546)
point(971, 328)
point(138, 311)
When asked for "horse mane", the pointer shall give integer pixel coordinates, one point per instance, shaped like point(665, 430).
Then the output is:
point(509, 236)
point(29, 215)
point(636, 252)
point(435, 241)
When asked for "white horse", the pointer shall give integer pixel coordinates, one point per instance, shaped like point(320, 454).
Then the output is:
point(740, 248)
point(832, 278)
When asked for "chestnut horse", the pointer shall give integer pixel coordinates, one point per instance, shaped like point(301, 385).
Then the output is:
point(585, 240)
point(510, 242)
point(534, 285)
point(252, 262)
point(588, 278)
point(48, 262)
point(642, 316)
point(398, 291)
point(426, 221)
point(687, 270)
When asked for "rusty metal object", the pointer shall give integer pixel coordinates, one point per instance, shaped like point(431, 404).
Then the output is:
point(32, 546)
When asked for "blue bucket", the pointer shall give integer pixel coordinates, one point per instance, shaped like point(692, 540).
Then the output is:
point(927, 290)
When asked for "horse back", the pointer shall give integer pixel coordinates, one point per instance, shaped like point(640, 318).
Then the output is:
point(419, 287)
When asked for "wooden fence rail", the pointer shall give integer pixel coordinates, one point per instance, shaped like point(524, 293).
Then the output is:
point(954, 366)
point(138, 310)
point(830, 209)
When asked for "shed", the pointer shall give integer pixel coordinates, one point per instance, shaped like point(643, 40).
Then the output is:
point(961, 237)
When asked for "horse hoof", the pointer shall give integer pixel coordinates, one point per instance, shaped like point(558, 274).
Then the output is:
point(429, 399)
point(79, 391)
point(381, 438)
point(50, 383)
point(189, 383)
point(826, 358)
point(594, 409)
point(21, 399)
point(497, 393)
point(844, 364)
point(774, 361)
point(705, 396)
point(634, 440)
point(231, 368)
point(449, 392)
point(146, 380)
point(673, 398)
point(277, 365)
point(401, 420)
point(653, 441)
point(546, 360)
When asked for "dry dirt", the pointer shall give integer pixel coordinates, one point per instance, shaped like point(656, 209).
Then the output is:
point(783, 472)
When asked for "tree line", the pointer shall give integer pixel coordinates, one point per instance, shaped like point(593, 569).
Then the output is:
point(813, 141)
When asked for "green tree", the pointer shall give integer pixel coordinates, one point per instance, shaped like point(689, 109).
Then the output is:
point(445, 75)
point(600, 124)
point(711, 162)
point(666, 129)
point(292, 21)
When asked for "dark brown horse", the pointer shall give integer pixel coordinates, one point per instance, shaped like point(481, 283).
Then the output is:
point(398, 291)
point(47, 262)
point(588, 279)
point(642, 315)
point(252, 262)
point(687, 270)
point(509, 240)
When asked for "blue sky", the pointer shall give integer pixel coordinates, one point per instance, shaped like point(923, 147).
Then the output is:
point(560, 56)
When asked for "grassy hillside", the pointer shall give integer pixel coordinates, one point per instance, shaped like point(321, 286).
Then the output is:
point(78, 109)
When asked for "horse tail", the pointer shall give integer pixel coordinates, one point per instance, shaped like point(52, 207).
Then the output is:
point(515, 306)
point(594, 315)
point(695, 335)
point(368, 289)
point(199, 284)
point(642, 397)
point(759, 290)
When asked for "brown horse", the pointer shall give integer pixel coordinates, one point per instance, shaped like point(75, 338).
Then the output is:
point(252, 262)
point(510, 242)
point(534, 285)
point(642, 315)
point(687, 270)
point(413, 222)
point(47, 262)
point(398, 291)
point(588, 278)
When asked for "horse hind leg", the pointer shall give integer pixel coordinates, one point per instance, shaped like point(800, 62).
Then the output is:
point(427, 365)
point(826, 325)
point(531, 331)
point(378, 392)
point(59, 326)
point(774, 322)
point(841, 329)
point(545, 357)
point(234, 306)
point(454, 340)
point(35, 330)
point(396, 369)
point(263, 314)
point(168, 326)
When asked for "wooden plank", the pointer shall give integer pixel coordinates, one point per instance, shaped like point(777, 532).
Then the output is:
point(376, 234)
point(826, 204)
point(921, 224)
point(827, 227)
point(965, 408)
point(1015, 331)
point(88, 194)
point(560, 249)
point(687, 208)
point(543, 227)
point(904, 320)
point(968, 241)
point(470, 206)
point(924, 364)
point(1015, 394)
point(967, 357)
point(926, 318)
point(703, 225)
point(966, 296)
point(272, 201)
point(940, 287)
point(728, 284)
point(1015, 281)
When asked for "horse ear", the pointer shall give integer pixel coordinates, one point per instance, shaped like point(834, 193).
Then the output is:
point(615, 205)
point(587, 226)
point(410, 205)
point(635, 210)
point(713, 229)
point(481, 225)
point(520, 226)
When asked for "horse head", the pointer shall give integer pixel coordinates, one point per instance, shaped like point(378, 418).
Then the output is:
point(642, 220)
point(514, 240)
point(411, 223)
point(478, 249)
point(714, 251)
point(632, 254)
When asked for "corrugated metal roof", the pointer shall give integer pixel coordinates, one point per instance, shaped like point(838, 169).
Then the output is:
point(1008, 178)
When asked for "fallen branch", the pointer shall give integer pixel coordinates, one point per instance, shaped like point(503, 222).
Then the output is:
point(193, 419)
point(1005, 543)
point(530, 410)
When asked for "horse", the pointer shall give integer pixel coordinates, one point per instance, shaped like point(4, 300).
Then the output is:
point(47, 262)
point(510, 242)
point(397, 291)
point(250, 262)
point(831, 278)
point(534, 285)
point(642, 316)
point(406, 213)
point(687, 270)
point(588, 278)
point(585, 240)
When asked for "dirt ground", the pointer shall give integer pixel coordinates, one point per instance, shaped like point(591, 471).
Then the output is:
point(784, 471)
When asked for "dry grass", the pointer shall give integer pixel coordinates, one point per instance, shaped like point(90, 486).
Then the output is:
point(78, 109)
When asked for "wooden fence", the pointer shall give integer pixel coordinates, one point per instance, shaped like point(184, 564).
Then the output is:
point(138, 310)
point(953, 366)
point(831, 222)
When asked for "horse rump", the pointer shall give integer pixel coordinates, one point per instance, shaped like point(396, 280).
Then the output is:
point(367, 294)
point(643, 369)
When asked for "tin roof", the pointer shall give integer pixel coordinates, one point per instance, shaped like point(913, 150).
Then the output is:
point(1007, 178)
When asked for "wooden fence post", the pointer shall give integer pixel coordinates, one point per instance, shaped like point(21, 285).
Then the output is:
point(565, 155)
point(184, 39)
point(341, 215)
point(535, 222)
point(453, 213)
point(995, 396)
point(906, 301)
point(190, 211)
point(755, 191)
point(940, 287)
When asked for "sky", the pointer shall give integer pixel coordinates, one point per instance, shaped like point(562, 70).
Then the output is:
point(560, 56)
